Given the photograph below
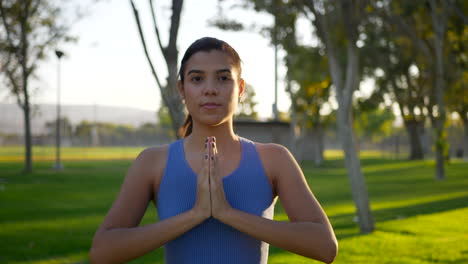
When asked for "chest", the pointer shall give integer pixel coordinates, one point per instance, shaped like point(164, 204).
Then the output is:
point(246, 185)
point(224, 164)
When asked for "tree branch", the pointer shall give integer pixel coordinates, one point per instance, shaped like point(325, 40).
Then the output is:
point(163, 49)
point(321, 26)
point(16, 88)
point(143, 41)
point(56, 35)
point(5, 24)
point(438, 19)
point(458, 12)
point(350, 27)
point(175, 21)
point(411, 33)
point(8, 34)
point(35, 7)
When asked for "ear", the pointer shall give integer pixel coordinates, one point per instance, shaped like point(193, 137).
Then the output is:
point(241, 87)
point(180, 89)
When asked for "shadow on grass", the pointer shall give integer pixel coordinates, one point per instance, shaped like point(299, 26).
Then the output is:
point(346, 221)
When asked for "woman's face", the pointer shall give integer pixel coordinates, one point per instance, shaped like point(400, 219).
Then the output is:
point(211, 87)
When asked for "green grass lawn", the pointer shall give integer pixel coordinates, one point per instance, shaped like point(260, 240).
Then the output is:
point(50, 217)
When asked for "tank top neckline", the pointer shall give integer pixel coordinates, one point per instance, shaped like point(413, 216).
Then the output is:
point(241, 162)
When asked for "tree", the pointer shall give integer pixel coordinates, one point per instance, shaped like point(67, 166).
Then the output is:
point(411, 19)
point(168, 91)
point(306, 70)
point(164, 122)
point(332, 38)
point(246, 106)
point(392, 64)
point(347, 17)
point(439, 14)
point(29, 30)
point(65, 126)
point(373, 121)
point(456, 94)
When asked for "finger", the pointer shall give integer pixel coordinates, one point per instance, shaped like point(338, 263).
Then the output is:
point(207, 149)
point(215, 149)
point(205, 162)
point(211, 145)
point(213, 159)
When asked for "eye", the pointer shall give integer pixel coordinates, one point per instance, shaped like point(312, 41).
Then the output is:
point(223, 78)
point(196, 78)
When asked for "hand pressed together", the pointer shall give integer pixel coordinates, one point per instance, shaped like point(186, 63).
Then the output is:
point(211, 199)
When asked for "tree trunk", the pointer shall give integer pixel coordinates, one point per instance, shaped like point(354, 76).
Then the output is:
point(465, 139)
point(440, 138)
point(169, 93)
point(294, 138)
point(346, 80)
point(175, 105)
point(24, 87)
point(27, 139)
point(414, 129)
point(315, 134)
point(438, 23)
point(353, 165)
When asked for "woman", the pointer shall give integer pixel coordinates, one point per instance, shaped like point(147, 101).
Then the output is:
point(214, 191)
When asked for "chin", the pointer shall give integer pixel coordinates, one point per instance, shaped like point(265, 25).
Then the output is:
point(213, 120)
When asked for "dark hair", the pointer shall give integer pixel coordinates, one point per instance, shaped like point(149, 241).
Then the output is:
point(204, 44)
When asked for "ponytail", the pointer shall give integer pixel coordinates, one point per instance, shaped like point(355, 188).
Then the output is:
point(186, 129)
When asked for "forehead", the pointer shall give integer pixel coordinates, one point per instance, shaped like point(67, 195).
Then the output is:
point(210, 61)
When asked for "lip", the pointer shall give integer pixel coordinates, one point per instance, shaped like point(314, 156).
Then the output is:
point(210, 105)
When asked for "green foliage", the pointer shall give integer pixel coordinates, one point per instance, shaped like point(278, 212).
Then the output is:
point(456, 94)
point(30, 30)
point(51, 217)
point(66, 128)
point(375, 124)
point(110, 134)
point(164, 125)
point(308, 69)
point(246, 106)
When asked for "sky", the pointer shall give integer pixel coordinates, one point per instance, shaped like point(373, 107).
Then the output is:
point(107, 66)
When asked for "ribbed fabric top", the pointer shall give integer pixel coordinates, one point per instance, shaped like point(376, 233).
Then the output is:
point(247, 188)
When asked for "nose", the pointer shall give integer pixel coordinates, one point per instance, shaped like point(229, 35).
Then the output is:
point(210, 88)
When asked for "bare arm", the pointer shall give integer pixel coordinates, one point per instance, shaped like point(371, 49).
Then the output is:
point(309, 232)
point(119, 238)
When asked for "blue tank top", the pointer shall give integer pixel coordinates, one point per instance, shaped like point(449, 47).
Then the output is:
point(247, 188)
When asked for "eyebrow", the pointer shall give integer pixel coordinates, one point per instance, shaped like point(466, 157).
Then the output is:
point(223, 71)
point(200, 71)
point(194, 71)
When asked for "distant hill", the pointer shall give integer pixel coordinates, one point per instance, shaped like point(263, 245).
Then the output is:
point(11, 116)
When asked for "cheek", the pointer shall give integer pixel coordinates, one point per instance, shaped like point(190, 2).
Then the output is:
point(190, 94)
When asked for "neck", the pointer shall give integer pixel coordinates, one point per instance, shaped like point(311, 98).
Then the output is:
point(224, 134)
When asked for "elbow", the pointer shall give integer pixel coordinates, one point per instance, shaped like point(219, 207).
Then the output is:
point(96, 253)
point(331, 251)
point(94, 256)
point(97, 257)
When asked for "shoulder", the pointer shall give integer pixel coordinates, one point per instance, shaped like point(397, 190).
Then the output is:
point(275, 159)
point(152, 153)
point(272, 152)
point(150, 162)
